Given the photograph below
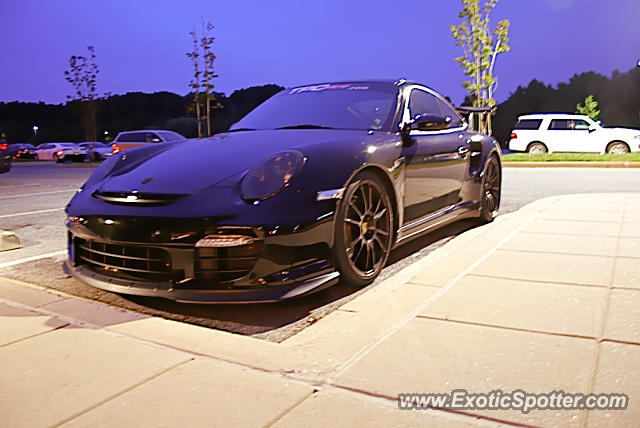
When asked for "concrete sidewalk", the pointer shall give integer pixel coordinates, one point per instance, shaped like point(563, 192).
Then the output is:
point(543, 299)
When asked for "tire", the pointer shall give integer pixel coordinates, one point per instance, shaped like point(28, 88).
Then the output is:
point(490, 190)
point(618, 148)
point(96, 157)
point(537, 148)
point(363, 231)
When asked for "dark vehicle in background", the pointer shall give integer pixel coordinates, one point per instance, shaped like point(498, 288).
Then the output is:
point(5, 157)
point(130, 139)
point(315, 185)
point(96, 151)
point(22, 151)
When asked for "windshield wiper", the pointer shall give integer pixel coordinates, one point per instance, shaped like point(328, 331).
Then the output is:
point(305, 126)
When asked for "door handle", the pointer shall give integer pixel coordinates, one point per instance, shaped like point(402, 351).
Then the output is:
point(462, 151)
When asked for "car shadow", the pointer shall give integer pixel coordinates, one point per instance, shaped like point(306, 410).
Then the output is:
point(293, 315)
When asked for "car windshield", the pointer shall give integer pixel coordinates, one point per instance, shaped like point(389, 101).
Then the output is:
point(366, 106)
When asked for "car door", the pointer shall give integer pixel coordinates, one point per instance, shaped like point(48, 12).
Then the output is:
point(435, 161)
point(46, 152)
point(570, 135)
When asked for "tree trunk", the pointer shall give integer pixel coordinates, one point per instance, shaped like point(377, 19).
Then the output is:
point(196, 98)
point(208, 114)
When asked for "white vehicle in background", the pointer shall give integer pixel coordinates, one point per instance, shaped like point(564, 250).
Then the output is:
point(61, 152)
point(551, 132)
point(96, 151)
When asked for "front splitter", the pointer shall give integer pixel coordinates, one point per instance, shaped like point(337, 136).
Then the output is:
point(245, 295)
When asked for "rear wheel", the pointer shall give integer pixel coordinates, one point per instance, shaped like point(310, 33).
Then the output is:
point(490, 190)
point(537, 148)
point(618, 148)
point(363, 230)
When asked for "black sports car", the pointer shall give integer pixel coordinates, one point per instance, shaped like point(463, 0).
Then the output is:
point(318, 183)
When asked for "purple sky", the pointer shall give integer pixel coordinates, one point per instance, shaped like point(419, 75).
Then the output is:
point(141, 44)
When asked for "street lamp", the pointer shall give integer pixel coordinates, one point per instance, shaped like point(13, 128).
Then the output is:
point(35, 130)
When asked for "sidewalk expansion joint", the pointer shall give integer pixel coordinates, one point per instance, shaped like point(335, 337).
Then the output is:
point(502, 327)
point(124, 391)
point(542, 281)
point(603, 322)
point(557, 253)
point(444, 411)
point(22, 339)
point(289, 409)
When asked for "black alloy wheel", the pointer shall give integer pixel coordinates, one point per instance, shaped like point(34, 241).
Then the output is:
point(490, 190)
point(363, 230)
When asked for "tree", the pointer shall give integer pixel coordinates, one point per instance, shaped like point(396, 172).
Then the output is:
point(590, 108)
point(195, 84)
point(480, 47)
point(209, 74)
point(202, 58)
point(82, 75)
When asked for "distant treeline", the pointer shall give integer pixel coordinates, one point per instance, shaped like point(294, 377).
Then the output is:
point(135, 110)
point(619, 98)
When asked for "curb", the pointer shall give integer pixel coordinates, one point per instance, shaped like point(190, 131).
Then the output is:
point(572, 164)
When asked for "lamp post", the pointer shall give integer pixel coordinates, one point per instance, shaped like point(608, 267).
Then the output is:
point(35, 133)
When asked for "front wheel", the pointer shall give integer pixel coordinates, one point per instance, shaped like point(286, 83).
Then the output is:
point(363, 230)
point(490, 190)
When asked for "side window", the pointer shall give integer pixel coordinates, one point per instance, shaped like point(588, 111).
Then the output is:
point(132, 137)
point(150, 137)
point(582, 125)
point(447, 111)
point(422, 102)
point(528, 124)
point(569, 125)
point(559, 124)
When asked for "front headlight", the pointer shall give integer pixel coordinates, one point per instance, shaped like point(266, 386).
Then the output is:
point(272, 175)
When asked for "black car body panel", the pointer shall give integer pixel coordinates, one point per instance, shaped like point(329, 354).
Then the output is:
point(137, 225)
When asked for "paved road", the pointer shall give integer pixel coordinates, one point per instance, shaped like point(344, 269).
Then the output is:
point(32, 198)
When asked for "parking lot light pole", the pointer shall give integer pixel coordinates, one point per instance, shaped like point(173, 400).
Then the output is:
point(35, 133)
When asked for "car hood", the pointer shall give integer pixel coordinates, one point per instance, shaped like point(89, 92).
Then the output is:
point(623, 131)
point(188, 167)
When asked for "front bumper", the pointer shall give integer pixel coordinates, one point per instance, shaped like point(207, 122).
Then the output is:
point(158, 257)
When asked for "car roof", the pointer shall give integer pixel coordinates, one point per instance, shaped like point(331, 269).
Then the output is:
point(556, 115)
point(147, 130)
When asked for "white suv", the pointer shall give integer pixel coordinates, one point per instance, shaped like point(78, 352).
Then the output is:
point(542, 133)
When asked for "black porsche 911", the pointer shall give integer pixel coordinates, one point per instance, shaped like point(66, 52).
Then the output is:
point(317, 184)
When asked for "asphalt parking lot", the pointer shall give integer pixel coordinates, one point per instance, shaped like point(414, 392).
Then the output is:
point(33, 197)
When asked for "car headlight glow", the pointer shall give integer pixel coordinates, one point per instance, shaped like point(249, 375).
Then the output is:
point(272, 175)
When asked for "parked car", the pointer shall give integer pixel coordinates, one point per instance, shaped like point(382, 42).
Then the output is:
point(5, 158)
point(548, 133)
point(130, 139)
point(61, 152)
point(22, 151)
point(96, 151)
point(318, 183)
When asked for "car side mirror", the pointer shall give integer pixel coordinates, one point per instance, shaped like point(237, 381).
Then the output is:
point(429, 122)
point(591, 129)
point(155, 140)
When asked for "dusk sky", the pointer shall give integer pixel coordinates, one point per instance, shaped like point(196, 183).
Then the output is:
point(141, 44)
